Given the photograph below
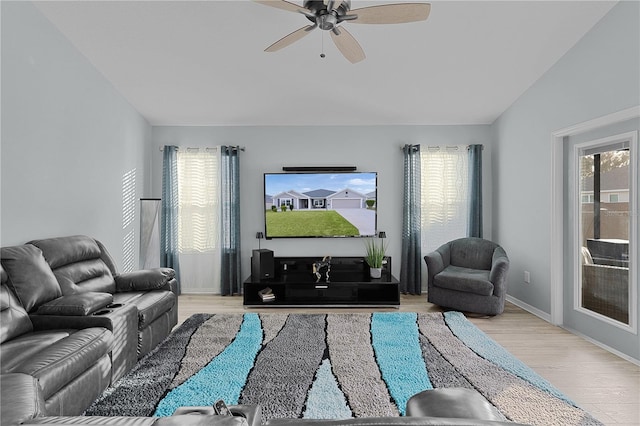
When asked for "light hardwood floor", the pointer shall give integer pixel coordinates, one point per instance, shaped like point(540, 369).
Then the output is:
point(600, 382)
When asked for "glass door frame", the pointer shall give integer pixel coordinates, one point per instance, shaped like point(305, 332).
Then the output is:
point(557, 205)
point(575, 205)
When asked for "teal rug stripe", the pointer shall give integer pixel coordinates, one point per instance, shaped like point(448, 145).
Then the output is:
point(490, 350)
point(224, 377)
point(397, 348)
point(334, 365)
point(326, 400)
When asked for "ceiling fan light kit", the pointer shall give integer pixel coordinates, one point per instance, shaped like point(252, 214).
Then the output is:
point(328, 15)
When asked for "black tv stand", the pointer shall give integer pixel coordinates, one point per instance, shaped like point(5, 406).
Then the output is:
point(349, 285)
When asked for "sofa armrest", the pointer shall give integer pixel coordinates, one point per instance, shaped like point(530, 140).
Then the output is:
point(21, 398)
point(499, 269)
point(146, 279)
point(436, 261)
point(81, 304)
point(201, 420)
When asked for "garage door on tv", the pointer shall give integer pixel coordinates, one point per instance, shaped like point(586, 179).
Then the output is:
point(316, 205)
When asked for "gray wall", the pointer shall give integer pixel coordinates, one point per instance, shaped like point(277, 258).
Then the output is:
point(69, 139)
point(597, 77)
point(370, 148)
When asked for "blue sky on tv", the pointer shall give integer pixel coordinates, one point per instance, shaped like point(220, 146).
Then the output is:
point(363, 182)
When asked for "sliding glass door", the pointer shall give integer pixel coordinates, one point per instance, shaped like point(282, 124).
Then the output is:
point(603, 229)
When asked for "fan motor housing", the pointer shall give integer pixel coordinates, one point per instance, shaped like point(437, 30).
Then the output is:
point(318, 8)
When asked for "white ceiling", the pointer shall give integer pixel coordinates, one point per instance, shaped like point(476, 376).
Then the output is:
point(202, 62)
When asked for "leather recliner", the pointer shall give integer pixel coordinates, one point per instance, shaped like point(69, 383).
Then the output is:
point(22, 404)
point(73, 366)
point(57, 290)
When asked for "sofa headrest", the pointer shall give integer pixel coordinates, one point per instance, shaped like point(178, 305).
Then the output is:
point(29, 276)
point(80, 264)
point(65, 250)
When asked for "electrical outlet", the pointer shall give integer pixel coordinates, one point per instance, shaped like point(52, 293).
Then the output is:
point(527, 277)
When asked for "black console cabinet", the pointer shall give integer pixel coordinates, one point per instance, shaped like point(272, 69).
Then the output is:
point(349, 285)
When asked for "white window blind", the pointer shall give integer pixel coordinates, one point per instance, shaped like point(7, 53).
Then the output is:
point(198, 199)
point(445, 183)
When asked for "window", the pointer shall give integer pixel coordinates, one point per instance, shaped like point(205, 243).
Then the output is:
point(614, 198)
point(445, 183)
point(197, 200)
point(587, 198)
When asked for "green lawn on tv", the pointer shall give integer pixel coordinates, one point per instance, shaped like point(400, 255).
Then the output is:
point(320, 223)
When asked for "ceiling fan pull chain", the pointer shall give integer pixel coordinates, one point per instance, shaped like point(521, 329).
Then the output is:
point(322, 55)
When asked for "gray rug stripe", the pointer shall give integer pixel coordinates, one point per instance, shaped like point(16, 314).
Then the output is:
point(441, 372)
point(355, 367)
point(206, 343)
point(140, 390)
point(272, 323)
point(517, 399)
point(280, 383)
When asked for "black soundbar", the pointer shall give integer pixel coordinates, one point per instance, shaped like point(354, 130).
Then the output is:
point(320, 169)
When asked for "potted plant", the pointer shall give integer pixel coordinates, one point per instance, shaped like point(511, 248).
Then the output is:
point(375, 256)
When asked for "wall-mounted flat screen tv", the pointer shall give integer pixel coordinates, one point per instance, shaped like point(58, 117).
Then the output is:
point(315, 205)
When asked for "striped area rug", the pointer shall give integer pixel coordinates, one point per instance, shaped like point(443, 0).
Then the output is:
point(332, 366)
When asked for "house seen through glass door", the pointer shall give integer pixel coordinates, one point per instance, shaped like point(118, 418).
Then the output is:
point(604, 230)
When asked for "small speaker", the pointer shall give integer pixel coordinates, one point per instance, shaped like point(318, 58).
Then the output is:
point(262, 264)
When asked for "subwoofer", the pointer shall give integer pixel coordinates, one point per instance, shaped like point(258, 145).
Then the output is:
point(262, 264)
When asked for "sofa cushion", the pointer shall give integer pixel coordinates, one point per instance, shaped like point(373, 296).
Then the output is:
point(76, 304)
point(57, 357)
point(77, 264)
point(464, 279)
point(29, 276)
point(14, 320)
point(150, 304)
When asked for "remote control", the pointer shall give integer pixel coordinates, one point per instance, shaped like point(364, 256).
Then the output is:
point(221, 408)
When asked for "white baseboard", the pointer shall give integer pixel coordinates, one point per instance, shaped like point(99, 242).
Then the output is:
point(547, 317)
point(531, 309)
point(603, 346)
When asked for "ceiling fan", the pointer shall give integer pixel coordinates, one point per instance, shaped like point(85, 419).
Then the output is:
point(329, 14)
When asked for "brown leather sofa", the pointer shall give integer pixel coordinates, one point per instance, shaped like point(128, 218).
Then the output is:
point(72, 322)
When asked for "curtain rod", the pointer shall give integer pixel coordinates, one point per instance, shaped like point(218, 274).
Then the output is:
point(206, 148)
point(438, 147)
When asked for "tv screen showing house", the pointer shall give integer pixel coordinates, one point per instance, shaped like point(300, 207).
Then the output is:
point(312, 205)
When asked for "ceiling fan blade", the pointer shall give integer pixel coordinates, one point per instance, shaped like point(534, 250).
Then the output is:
point(290, 38)
point(347, 45)
point(281, 4)
point(398, 13)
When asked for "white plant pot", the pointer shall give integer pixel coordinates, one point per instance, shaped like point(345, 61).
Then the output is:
point(375, 272)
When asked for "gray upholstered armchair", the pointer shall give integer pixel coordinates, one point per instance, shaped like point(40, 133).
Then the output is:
point(469, 275)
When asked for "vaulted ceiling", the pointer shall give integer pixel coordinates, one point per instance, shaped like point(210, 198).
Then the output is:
point(203, 62)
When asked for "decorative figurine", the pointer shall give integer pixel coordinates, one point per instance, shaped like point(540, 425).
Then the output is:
point(322, 267)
